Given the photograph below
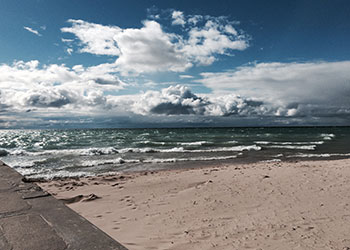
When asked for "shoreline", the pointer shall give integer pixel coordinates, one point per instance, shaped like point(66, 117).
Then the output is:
point(276, 205)
point(192, 166)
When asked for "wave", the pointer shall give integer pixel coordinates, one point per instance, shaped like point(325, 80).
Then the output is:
point(169, 160)
point(318, 155)
point(113, 150)
point(196, 143)
point(118, 160)
point(288, 143)
point(57, 174)
point(153, 142)
point(272, 160)
point(137, 150)
point(234, 142)
point(24, 163)
point(327, 136)
point(3, 152)
point(228, 149)
point(183, 150)
point(25, 171)
point(81, 152)
point(309, 147)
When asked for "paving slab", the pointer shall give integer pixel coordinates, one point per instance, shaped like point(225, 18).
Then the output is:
point(4, 185)
point(11, 202)
point(71, 226)
point(3, 242)
point(9, 174)
point(31, 219)
point(32, 232)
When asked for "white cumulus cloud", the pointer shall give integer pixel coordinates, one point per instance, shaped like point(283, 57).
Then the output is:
point(178, 18)
point(26, 85)
point(151, 48)
point(97, 39)
point(179, 100)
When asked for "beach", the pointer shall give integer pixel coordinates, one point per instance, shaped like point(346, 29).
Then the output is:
point(264, 205)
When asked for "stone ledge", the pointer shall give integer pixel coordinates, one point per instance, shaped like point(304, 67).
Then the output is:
point(34, 220)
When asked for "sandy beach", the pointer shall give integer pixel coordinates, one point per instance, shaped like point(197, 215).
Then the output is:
point(275, 205)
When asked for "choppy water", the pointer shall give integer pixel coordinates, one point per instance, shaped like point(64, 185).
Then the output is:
point(55, 153)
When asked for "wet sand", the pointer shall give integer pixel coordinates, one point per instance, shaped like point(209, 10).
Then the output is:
point(281, 205)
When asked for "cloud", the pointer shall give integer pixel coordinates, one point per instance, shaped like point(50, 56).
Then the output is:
point(151, 49)
point(48, 97)
point(26, 85)
point(235, 105)
point(179, 100)
point(214, 38)
point(175, 100)
point(299, 89)
point(178, 18)
point(275, 90)
point(65, 40)
point(195, 19)
point(69, 51)
point(96, 38)
point(186, 76)
point(32, 30)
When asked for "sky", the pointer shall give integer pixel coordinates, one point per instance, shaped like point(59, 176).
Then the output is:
point(92, 64)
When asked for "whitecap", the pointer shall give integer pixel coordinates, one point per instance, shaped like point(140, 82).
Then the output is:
point(309, 147)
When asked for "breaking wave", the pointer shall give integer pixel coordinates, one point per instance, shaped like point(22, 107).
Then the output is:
point(319, 155)
point(153, 160)
point(309, 147)
point(327, 136)
point(288, 143)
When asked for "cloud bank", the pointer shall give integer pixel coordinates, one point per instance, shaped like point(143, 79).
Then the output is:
point(311, 88)
point(314, 90)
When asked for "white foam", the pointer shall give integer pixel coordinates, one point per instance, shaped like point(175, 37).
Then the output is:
point(59, 174)
point(169, 160)
point(153, 142)
point(82, 152)
point(236, 148)
point(309, 147)
point(272, 160)
point(317, 155)
point(137, 150)
point(196, 143)
point(289, 143)
point(183, 150)
point(327, 136)
point(118, 160)
point(27, 170)
point(173, 150)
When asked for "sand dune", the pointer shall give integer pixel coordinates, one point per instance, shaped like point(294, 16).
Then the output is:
point(280, 205)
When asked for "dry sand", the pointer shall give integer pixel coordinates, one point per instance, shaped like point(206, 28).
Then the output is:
point(301, 205)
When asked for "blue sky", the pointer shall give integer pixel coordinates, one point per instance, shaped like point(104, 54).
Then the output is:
point(174, 63)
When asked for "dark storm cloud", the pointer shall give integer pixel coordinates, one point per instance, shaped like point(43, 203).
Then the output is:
point(49, 98)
